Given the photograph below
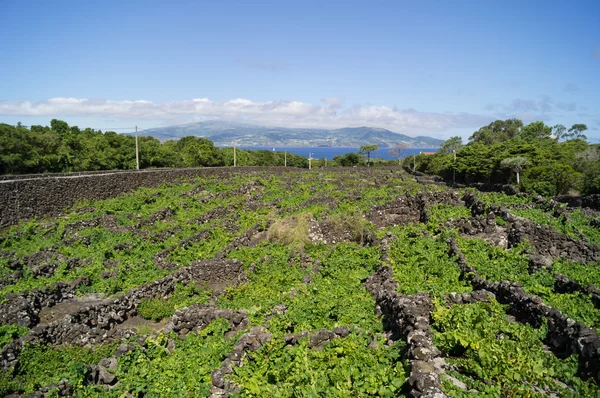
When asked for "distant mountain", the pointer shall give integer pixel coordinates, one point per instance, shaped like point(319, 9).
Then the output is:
point(223, 133)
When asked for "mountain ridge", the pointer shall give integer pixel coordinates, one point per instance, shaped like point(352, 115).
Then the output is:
point(223, 133)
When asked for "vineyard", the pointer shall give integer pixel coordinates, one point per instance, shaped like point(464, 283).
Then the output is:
point(285, 282)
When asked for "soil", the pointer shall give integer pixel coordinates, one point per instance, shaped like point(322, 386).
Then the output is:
point(60, 310)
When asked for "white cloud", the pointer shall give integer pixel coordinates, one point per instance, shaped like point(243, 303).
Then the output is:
point(275, 113)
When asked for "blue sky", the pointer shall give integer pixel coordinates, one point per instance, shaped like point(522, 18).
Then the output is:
point(437, 68)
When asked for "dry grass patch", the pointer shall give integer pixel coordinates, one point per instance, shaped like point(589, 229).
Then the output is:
point(292, 230)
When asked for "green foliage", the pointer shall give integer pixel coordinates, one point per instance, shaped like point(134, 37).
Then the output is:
point(349, 159)
point(591, 179)
point(584, 274)
point(501, 358)
point(497, 264)
point(452, 144)
point(552, 179)
point(516, 165)
point(576, 131)
point(183, 296)
point(535, 131)
point(321, 286)
point(368, 148)
point(60, 148)
point(336, 296)
point(503, 199)
point(345, 367)
point(421, 264)
point(553, 166)
point(41, 365)
point(10, 332)
point(269, 285)
point(154, 372)
point(498, 131)
point(441, 213)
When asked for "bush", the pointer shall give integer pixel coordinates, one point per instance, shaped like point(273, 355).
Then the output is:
point(349, 159)
point(10, 332)
point(156, 309)
point(591, 179)
point(552, 179)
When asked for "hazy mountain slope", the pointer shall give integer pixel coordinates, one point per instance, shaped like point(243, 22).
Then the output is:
point(223, 133)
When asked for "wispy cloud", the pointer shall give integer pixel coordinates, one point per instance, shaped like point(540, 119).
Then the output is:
point(253, 63)
point(334, 102)
point(274, 113)
point(530, 109)
point(571, 88)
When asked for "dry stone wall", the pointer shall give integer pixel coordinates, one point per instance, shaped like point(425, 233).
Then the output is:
point(565, 336)
point(26, 198)
point(97, 323)
point(23, 309)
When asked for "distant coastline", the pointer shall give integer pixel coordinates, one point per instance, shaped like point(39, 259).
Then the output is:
point(330, 152)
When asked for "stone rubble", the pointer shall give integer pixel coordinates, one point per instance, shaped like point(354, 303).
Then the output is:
point(97, 323)
point(23, 308)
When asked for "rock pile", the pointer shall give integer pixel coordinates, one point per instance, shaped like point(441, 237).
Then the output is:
point(23, 309)
point(407, 317)
point(253, 340)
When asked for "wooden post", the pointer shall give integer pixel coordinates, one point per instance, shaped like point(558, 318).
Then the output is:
point(454, 169)
point(137, 152)
point(234, 154)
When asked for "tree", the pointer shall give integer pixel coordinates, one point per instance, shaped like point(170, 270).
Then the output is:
point(59, 126)
point(498, 131)
point(368, 148)
point(535, 131)
point(552, 179)
point(516, 164)
point(577, 131)
point(559, 132)
point(397, 151)
point(452, 144)
point(348, 160)
point(477, 162)
point(591, 179)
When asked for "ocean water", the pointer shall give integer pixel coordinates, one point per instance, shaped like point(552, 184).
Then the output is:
point(330, 152)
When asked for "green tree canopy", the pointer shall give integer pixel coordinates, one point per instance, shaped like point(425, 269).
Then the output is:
point(516, 164)
point(498, 131)
point(576, 131)
point(535, 131)
point(368, 148)
point(452, 144)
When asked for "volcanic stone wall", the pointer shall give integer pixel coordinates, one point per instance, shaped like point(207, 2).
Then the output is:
point(23, 199)
point(591, 201)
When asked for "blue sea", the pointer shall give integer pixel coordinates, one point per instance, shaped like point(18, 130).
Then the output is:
point(330, 152)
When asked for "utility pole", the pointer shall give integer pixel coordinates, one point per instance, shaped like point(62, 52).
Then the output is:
point(454, 169)
point(137, 152)
point(234, 154)
point(325, 161)
point(285, 159)
point(309, 161)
